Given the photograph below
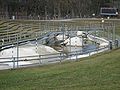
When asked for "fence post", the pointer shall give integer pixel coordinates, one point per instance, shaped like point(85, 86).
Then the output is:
point(89, 52)
point(13, 62)
point(69, 55)
point(40, 62)
point(97, 50)
point(60, 57)
point(76, 55)
point(110, 45)
point(116, 43)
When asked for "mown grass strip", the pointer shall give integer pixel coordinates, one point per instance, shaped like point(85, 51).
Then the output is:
point(98, 72)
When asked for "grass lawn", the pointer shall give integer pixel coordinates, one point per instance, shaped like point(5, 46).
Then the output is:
point(98, 72)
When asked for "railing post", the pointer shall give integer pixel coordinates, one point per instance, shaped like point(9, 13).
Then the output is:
point(60, 57)
point(97, 49)
point(76, 55)
point(13, 62)
point(116, 43)
point(69, 55)
point(40, 62)
point(89, 52)
point(110, 45)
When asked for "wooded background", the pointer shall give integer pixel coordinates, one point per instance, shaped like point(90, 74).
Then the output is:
point(52, 9)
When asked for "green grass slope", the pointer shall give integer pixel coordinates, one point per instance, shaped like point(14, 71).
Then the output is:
point(98, 72)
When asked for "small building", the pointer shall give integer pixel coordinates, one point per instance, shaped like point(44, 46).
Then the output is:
point(109, 12)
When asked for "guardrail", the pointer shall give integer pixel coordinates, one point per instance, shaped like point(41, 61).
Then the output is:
point(28, 61)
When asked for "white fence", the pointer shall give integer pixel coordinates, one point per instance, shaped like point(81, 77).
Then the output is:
point(28, 61)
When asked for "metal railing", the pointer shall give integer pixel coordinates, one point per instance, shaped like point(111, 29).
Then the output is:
point(15, 62)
